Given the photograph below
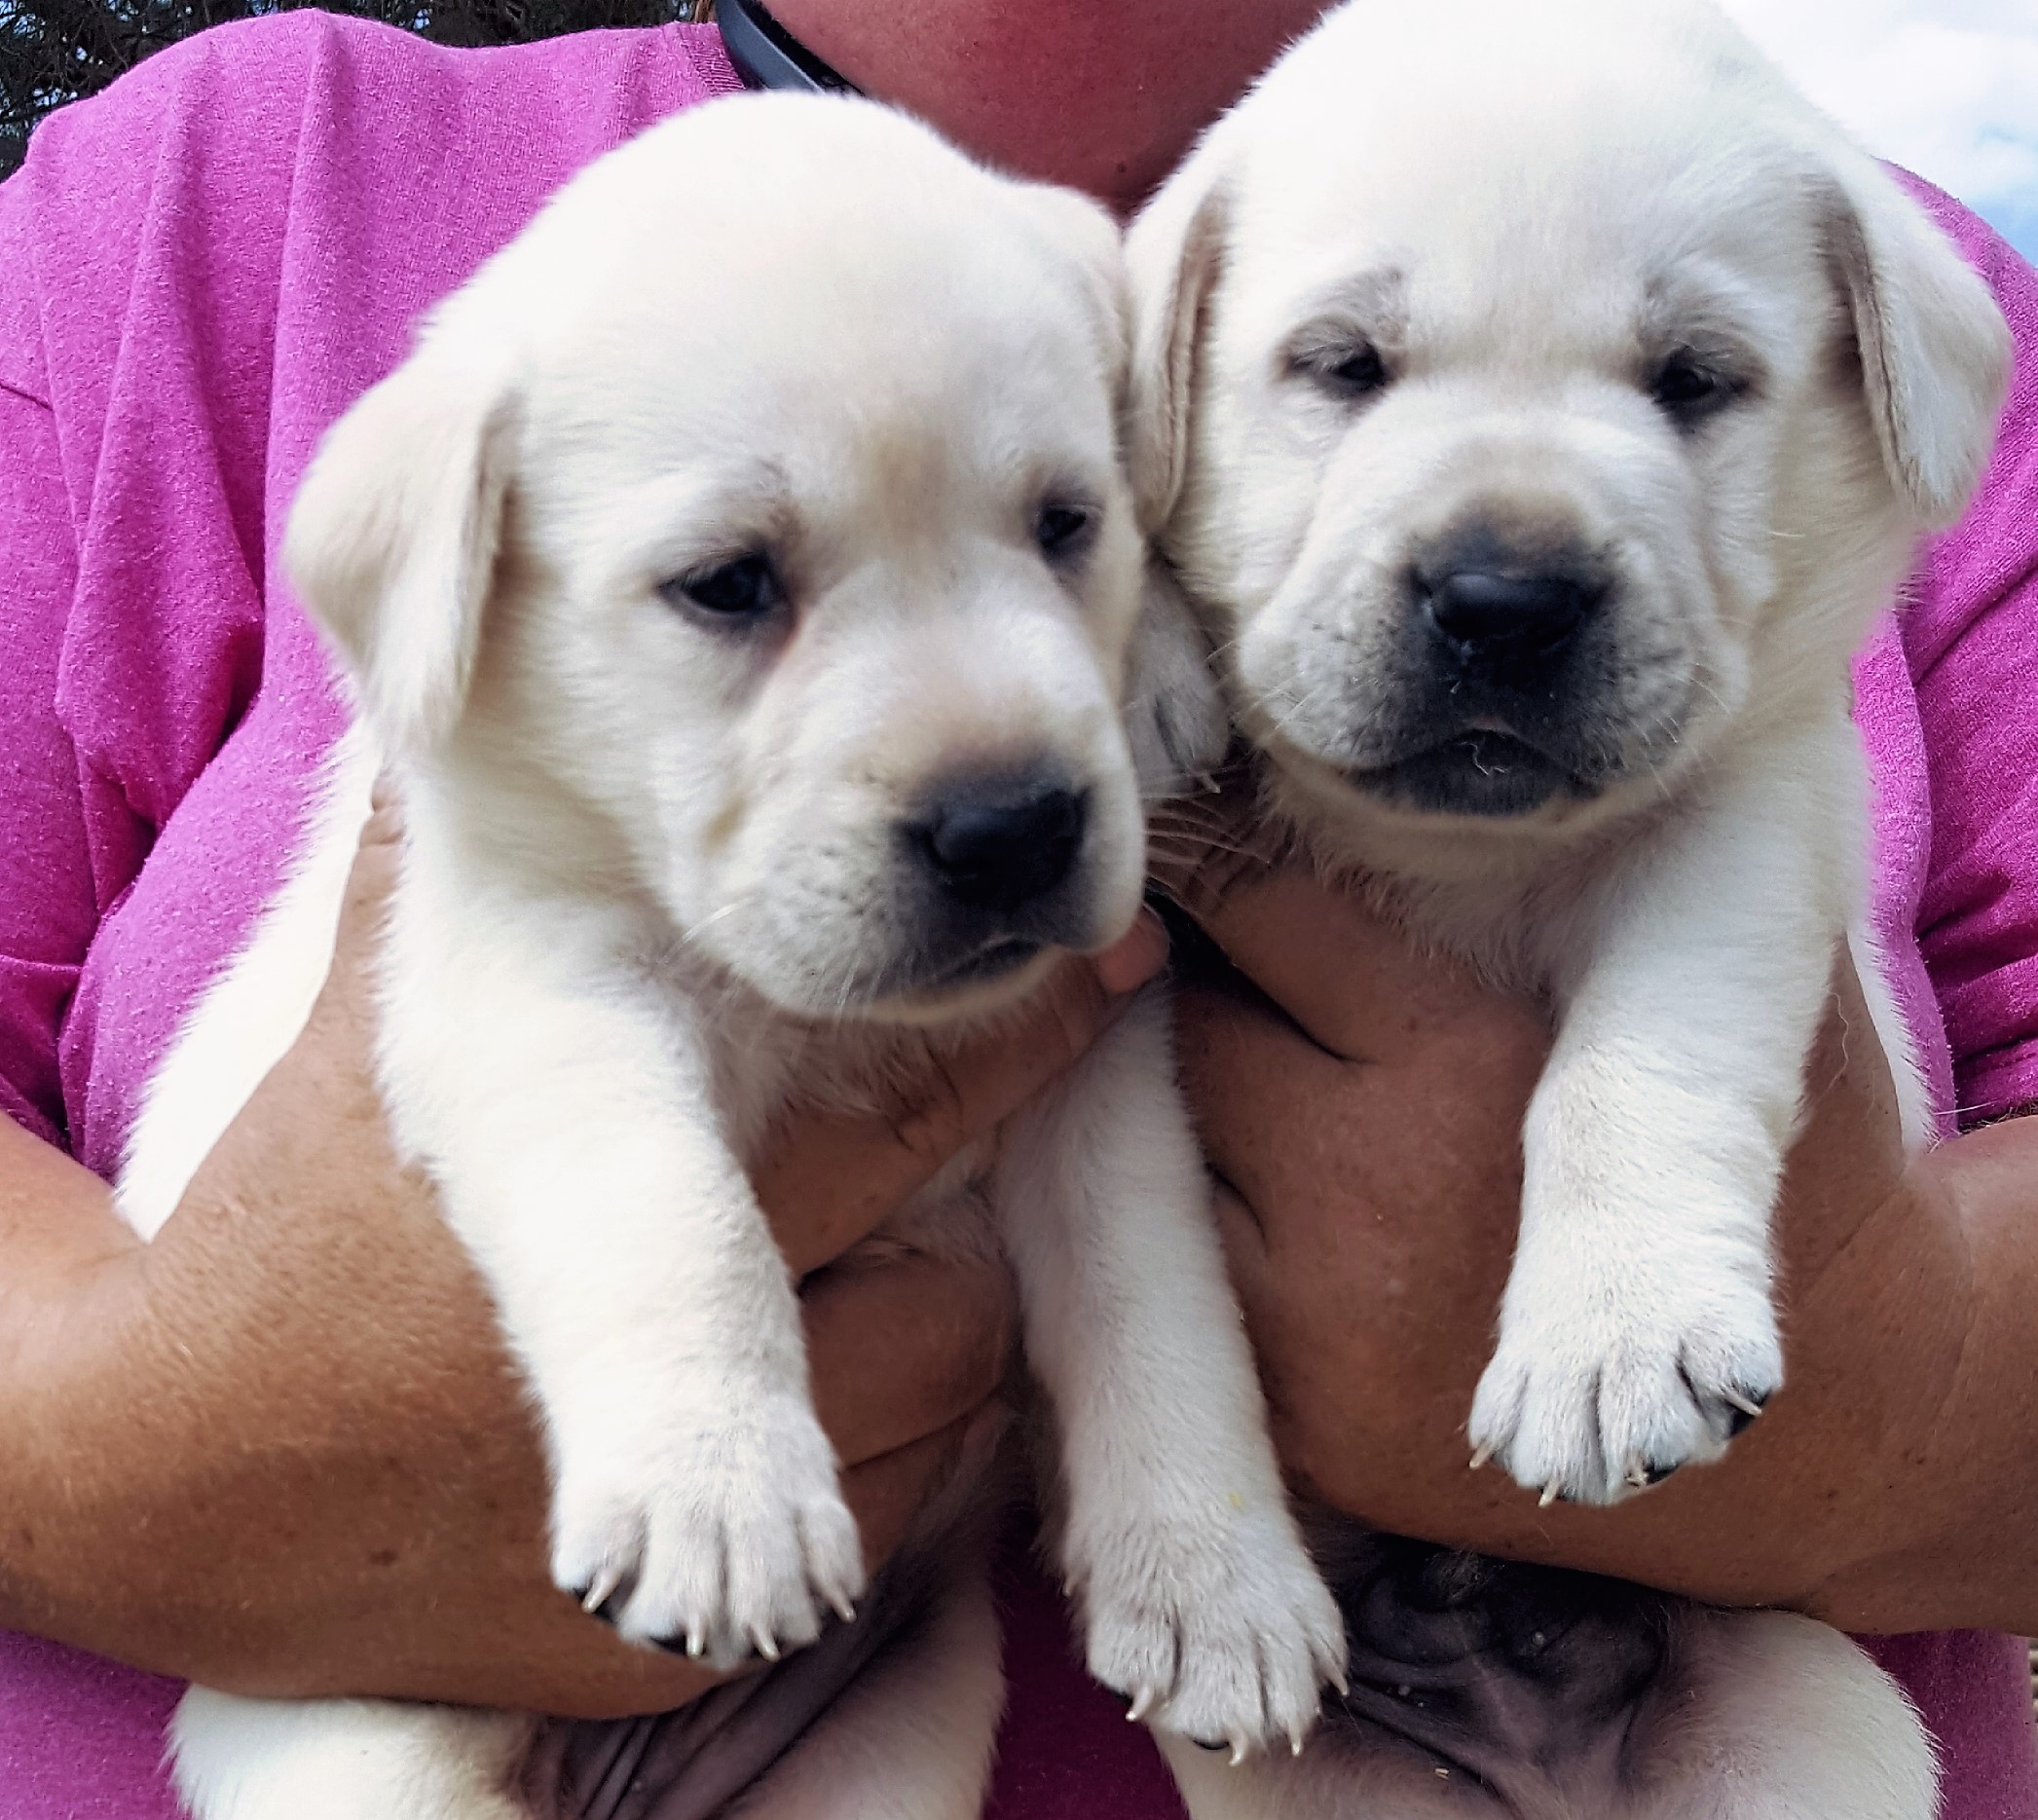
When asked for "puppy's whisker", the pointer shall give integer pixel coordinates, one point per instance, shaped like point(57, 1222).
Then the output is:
point(1197, 852)
point(1305, 704)
point(713, 917)
point(1206, 833)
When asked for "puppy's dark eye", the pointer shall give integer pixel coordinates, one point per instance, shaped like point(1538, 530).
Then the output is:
point(746, 588)
point(1361, 370)
point(1346, 369)
point(1062, 529)
point(1687, 388)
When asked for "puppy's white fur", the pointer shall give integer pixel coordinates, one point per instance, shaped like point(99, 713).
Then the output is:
point(1430, 279)
point(659, 877)
point(1523, 211)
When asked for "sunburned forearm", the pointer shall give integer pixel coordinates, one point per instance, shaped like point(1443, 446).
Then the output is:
point(57, 1223)
point(61, 1242)
point(1956, 1473)
point(1369, 1214)
point(1891, 1487)
point(207, 1478)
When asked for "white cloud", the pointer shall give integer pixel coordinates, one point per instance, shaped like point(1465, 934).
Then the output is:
point(1949, 87)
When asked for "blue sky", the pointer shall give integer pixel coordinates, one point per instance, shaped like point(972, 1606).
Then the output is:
point(1947, 86)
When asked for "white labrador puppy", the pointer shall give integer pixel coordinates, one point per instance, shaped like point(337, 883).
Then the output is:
point(739, 580)
point(1540, 404)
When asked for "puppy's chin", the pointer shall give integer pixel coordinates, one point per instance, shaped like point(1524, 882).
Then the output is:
point(1475, 774)
point(1473, 781)
point(1484, 776)
point(917, 990)
point(980, 984)
point(1442, 813)
point(914, 951)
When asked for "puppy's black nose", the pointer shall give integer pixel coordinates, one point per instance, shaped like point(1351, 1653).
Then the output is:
point(995, 845)
point(1507, 622)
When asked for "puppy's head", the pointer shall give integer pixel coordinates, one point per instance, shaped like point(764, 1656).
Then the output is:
point(1537, 395)
point(750, 540)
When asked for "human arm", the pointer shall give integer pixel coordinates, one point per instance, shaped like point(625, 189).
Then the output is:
point(1362, 1107)
point(283, 1450)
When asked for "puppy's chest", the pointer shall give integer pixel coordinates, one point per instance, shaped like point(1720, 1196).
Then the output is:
point(1525, 917)
point(771, 1074)
point(1523, 934)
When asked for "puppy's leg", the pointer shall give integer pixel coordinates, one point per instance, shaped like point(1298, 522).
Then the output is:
point(1894, 1033)
point(1200, 1600)
point(1636, 1332)
point(575, 1133)
point(248, 1017)
point(344, 1760)
point(1774, 1716)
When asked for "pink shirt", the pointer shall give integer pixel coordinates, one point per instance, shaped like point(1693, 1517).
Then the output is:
point(197, 272)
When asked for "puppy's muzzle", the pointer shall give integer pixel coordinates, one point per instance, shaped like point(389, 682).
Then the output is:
point(997, 868)
point(1497, 696)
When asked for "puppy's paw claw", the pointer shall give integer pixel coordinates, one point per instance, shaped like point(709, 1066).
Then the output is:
point(1593, 1409)
point(1227, 1634)
point(597, 1596)
point(729, 1542)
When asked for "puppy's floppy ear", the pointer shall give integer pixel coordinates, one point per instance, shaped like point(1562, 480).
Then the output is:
point(1175, 253)
point(1935, 351)
point(394, 533)
point(1175, 721)
point(1085, 228)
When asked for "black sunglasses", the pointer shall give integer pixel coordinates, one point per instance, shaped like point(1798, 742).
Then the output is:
point(766, 56)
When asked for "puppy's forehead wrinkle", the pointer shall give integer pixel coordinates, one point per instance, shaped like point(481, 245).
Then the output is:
point(899, 447)
point(687, 506)
point(845, 419)
point(1524, 228)
point(1706, 294)
point(1372, 303)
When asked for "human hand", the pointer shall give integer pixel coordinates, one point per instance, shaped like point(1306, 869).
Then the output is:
point(283, 1450)
point(1361, 1104)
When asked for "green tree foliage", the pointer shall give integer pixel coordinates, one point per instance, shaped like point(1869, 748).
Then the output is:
point(55, 50)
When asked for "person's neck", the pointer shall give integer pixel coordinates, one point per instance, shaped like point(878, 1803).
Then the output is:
point(766, 56)
point(1104, 97)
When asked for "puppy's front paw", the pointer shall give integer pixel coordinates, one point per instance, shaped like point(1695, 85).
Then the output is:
point(725, 1536)
point(1607, 1379)
point(1219, 1629)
